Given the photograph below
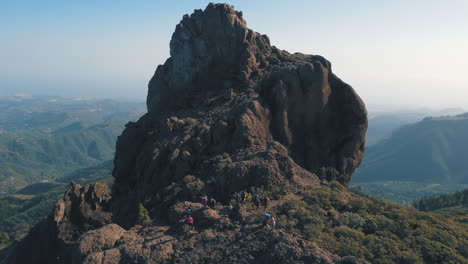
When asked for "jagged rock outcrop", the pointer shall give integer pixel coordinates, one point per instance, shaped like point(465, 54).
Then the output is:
point(51, 241)
point(235, 112)
point(226, 112)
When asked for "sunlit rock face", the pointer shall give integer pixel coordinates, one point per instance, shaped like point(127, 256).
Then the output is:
point(234, 111)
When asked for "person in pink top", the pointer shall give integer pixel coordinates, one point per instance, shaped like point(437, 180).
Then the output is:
point(190, 222)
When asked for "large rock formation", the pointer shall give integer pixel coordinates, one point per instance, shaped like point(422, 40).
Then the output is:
point(51, 240)
point(235, 112)
point(226, 112)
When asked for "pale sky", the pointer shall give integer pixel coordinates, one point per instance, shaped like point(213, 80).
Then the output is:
point(406, 53)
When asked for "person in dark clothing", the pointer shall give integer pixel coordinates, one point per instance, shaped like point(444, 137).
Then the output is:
point(204, 199)
point(266, 200)
point(256, 201)
point(238, 198)
point(212, 203)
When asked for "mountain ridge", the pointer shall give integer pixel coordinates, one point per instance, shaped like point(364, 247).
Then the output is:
point(428, 151)
point(229, 113)
point(42, 138)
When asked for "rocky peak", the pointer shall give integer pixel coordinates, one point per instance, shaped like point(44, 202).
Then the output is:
point(227, 112)
point(233, 112)
point(87, 207)
point(211, 50)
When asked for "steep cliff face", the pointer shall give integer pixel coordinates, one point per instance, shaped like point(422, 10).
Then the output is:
point(235, 112)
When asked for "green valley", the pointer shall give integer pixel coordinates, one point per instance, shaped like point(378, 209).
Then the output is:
point(42, 139)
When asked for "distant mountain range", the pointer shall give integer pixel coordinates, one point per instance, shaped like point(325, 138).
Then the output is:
point(47, 113)
point(47, 142)
point(42, 138)
point(434, 150)
point(382, 123)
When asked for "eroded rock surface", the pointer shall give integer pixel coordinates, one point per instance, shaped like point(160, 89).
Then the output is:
point(218, 238)
point(235, 112)
point(81, 209)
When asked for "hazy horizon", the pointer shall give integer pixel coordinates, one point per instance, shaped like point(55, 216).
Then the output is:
point(399, 54)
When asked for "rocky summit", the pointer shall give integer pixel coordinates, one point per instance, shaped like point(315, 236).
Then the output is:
point(227, 112)
point(236, 112)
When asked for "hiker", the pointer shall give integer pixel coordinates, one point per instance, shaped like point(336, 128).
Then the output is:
point(265, 219)
point(273, 223)
point(265, 202)
point(212, 202)
point(188, 211)
point(190, 222)
point(204, 201)
point(238, 198)
point(256, 201)
point(244, 194)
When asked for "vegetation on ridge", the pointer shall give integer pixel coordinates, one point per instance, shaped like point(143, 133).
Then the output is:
point(441, 201)
point(43, 138)
point(404, 192)
point(370, 228)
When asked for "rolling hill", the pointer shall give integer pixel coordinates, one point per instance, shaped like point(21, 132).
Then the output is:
point(434, 150)
point(382, 123)
point(43, 138)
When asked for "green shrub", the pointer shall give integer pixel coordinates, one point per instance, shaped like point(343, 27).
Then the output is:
point(409, 257)
point(346, 232)
point(357, 205)
point(335, 185)
point(189, 189)
point(352, 220)
point(143, 216)
point(193, 183)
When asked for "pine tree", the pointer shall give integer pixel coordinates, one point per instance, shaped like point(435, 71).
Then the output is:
point(143, 216)
point(442, 201)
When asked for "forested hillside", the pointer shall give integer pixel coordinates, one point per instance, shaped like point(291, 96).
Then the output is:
point(442, 201)
point(43, 138)
point(451, 205)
